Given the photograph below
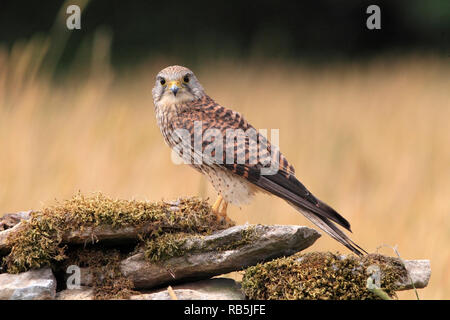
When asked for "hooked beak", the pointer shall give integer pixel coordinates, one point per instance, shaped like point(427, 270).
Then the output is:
point(174, 86)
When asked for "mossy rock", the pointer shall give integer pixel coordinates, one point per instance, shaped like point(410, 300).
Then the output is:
point(318, 275)
point(172, 245)
point(42, 240)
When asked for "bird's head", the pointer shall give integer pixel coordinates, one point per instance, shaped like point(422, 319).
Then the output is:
point(175, 85)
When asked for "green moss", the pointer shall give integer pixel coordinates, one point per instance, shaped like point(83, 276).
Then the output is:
point(39, 242)
point(319, 276)
point(247, 237)
point(162, 226)
point(172, 245)
point(165, 247)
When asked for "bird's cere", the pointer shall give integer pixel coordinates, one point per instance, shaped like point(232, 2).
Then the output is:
point(174, 86)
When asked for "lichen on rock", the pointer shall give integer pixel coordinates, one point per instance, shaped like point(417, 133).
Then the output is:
point(318, 275)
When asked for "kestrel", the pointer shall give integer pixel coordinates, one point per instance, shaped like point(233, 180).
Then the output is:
point(199, 129)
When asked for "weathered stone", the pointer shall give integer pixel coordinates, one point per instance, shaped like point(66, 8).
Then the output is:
point(102, 233)
point(4, 249)
point(204, 257)
point(9, 220)
point(83, 293)
point(10, 223)
point(211, 289)
point(31, 285)
point(420, 273)
point(87, 235)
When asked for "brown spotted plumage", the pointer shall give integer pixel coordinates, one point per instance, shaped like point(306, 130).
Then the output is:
point(191, 122)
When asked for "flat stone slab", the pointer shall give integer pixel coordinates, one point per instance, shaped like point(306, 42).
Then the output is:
point(83, 293)
point(89, 234)
point(210, 289)
point(420, 273)
point(203, 257)
point(12, 222)
point(31, 285)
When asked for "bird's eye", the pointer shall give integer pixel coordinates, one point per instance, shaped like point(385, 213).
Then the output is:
point(186, 79)
point(162, 81)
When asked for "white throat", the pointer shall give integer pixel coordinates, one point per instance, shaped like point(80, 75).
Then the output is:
point(170, 99)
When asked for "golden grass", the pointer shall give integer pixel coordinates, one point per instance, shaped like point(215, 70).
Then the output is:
point(371, 140)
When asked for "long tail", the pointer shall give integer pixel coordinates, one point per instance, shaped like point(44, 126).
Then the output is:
point(322, 215)
point(331, 229)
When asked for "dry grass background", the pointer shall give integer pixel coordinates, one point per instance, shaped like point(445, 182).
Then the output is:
point(370, 139)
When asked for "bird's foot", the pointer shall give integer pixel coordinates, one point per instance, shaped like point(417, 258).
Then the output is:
point(216, 206)
point(221, 214)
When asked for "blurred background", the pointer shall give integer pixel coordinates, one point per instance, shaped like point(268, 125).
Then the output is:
point(363, 114)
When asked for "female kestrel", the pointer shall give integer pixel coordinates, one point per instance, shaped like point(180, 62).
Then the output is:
point(236, 159)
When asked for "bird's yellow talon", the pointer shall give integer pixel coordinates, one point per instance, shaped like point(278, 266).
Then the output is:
point(216, 205)
point(223, 212)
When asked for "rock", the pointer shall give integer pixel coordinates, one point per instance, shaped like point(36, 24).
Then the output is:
point(211, 289)
point(87, 235)
point(83, 293)
point(102, 233)
point(9, 220)
point(10, 223)
point(31, 285)
point(204, 257)
point(4, 249)
point(201, 257)
point(420, 273)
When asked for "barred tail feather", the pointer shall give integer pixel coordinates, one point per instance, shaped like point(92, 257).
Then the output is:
point(331, 229)
point(322, 215)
